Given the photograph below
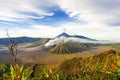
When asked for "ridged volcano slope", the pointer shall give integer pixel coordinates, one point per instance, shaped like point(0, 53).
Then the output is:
point(69, 47)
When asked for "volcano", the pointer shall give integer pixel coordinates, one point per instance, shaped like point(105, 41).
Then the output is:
point(64, 37)
point(69, 47)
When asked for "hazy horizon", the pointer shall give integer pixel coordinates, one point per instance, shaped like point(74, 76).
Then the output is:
point(97, 19)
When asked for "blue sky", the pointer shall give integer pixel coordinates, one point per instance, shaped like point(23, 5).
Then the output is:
point(97, 19)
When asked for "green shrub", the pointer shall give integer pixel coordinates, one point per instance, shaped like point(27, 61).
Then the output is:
point(102, 66)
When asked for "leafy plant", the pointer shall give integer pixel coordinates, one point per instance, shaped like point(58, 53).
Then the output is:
point(19, 73)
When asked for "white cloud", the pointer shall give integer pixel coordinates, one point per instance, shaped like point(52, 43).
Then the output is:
point(88, 10)
point(91, 10)
point(13, 10)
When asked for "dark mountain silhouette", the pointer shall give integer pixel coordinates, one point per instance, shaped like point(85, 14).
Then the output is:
point(63, 35)
point(5, 41)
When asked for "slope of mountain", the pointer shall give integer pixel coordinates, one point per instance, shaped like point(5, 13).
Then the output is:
point(61, 48)
point(83, 37)
point(40, 42)
point(5, 41)
point(64, 37)
point(69, 47)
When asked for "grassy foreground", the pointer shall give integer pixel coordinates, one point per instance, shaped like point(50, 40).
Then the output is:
point(105, 66)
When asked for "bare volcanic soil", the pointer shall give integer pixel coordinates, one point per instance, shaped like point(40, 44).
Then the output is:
point(40, 55)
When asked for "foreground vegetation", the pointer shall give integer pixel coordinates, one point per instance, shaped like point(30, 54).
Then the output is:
point(105, 66)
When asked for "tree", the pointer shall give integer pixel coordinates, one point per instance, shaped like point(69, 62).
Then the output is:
point(12, 46)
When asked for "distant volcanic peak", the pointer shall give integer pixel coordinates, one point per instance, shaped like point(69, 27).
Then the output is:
point(74, 36)
point(64, 35)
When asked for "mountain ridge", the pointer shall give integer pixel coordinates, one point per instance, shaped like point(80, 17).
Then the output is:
point(23, 39)
point(76, 36)
point(64, 37)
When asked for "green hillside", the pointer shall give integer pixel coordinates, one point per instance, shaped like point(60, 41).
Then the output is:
point(37, 43)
